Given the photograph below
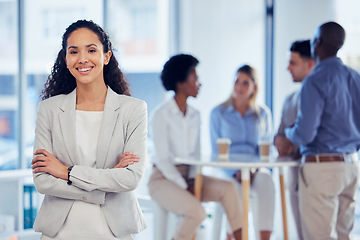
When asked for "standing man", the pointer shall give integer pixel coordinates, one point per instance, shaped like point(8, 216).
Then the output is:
point(300, 66)
point(327, 128)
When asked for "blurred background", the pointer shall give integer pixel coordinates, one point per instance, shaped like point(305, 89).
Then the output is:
point(222, 34)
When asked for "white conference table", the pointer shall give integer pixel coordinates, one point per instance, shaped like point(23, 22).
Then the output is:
point(243, 162)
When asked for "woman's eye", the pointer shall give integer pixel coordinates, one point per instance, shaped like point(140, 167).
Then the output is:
point(73, 52)
point(92, 50)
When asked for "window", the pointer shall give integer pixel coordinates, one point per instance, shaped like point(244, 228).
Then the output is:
point(44, 24)
point(348, 17)
point(139, 33)
point(8, 86)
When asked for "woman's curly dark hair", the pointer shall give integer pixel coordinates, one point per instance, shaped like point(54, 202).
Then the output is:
point(177, 69)
point(61, 81)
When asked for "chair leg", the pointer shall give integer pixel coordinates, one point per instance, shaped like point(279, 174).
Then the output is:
point(217, 221)
point(171, 225)
point(160, 222)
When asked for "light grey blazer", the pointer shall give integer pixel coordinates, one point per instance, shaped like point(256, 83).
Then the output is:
point(123, 129)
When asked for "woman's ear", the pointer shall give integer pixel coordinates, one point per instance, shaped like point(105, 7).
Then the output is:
point(107, 57)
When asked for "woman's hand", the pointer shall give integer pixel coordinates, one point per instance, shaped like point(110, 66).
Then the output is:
point(46, 162)
point(127, 159)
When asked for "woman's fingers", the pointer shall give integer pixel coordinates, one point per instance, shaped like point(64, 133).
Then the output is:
point(124, 164)
point(39, 164)
point(46, 162)
point(127, 159)
point(42, 151)
point(39, 169)
point(38, 158)
point(128, 155)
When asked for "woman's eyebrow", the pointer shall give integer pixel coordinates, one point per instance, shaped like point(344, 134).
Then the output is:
point(91, 44)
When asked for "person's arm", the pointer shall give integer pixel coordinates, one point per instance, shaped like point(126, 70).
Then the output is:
point(119, 179)
point(308, 119)
point(46, 183)
point(282, 144)
point(197, 153)
point(164, 159)
point(282, 126)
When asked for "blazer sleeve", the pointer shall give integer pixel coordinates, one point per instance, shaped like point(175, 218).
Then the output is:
point(46, 183)
point(119, 179)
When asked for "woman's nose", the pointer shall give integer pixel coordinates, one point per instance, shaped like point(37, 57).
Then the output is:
point(83, 58)
point(238, 86)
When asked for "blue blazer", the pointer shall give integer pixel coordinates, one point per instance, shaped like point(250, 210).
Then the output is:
point(123, 129)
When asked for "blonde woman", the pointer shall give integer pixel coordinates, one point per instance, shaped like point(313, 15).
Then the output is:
point(245, 123)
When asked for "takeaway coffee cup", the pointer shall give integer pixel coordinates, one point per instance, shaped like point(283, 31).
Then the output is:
point(223, 148)
point(264, 148)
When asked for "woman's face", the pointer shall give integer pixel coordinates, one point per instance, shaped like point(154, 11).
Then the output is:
point(191, 86)
point(85, 57)
point(244, 87)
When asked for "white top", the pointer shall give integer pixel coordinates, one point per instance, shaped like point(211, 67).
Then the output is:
point(175, 135)
point(86, 220)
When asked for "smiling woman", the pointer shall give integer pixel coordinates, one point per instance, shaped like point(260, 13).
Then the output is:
point(81, 44)
point(90, 143)
point(85, 58)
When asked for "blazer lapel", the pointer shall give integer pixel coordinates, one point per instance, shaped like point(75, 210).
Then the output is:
point(107, 128)
point(67, 119)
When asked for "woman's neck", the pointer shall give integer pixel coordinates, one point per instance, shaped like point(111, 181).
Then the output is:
point(90, 98)
point(180, 100)
point(241, 106)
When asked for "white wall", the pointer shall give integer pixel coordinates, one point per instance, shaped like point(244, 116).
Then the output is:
point(294, 20)
point(223, 35)
point(226, 34)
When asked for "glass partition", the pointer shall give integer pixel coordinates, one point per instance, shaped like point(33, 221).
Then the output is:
point(8, 85)
point(139, 33)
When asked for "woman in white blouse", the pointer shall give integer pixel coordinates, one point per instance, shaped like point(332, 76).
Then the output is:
point(175, 131)
point(90, 143)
